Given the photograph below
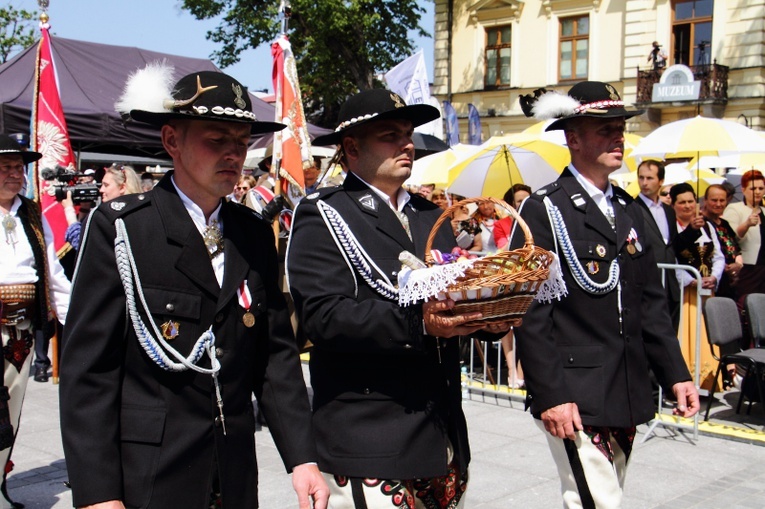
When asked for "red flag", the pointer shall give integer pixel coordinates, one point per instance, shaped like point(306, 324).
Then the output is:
point(49, 136)
point(292, 146)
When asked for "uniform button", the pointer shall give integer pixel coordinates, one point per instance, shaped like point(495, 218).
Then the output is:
point(407, 345)
point(394, 273)
point(219, 352)
point(217, 421)
point(169, 307)
point(219, 318)
point(259, 305)
point(367, 390)
point(570, 359)
point(627, 338)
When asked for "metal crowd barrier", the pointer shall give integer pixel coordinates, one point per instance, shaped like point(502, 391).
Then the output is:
point(482, 378)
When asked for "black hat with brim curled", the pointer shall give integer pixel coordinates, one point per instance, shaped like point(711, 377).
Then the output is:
point(10, 147)
point(586, 99)
point(204, 95)
point(374, 105)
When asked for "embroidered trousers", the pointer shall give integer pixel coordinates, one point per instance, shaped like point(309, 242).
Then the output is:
point(447, 492)
point(17, 345)
point(593, 467)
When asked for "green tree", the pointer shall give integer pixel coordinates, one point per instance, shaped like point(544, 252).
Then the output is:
point(17, 30)
point(339, 45)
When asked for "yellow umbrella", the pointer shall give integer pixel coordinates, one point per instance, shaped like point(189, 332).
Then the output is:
point(434, 169)
point(503, 161)
point(699, 136)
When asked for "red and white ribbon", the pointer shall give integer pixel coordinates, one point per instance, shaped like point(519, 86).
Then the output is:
point(244, 296)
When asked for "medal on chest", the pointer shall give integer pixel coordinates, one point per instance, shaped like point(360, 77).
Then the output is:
point(245, 300)
point(9, 226)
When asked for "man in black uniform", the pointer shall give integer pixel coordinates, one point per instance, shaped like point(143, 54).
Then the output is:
point(178, 321)
point(386, 379)
point(587, 354)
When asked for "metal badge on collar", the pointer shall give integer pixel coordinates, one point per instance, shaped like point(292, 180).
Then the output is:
point(312, 196)
point(117, 205)
point(578, 200)
point(368, 201)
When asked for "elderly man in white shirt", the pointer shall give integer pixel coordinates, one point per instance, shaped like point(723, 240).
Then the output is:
point(33, 289)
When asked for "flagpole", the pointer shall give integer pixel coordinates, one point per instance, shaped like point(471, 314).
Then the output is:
point(44, 18)
point(285, 11)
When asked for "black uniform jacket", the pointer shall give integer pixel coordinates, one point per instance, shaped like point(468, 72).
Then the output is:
point(136, 432)
point(663, 251)
point(384, 402)
point(576, 349)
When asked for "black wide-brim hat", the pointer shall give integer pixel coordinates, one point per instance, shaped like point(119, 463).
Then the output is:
point(596, 99)
point(373, 105)
point(9, 146)
point(206, 95)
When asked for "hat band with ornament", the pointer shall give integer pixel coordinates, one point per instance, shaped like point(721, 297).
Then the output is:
point(585, 99)
point(375, 105)
point(150, 97)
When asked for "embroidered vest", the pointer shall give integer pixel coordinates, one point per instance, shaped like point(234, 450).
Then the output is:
point(31, 219)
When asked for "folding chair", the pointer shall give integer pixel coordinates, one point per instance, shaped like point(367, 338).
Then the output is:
point(755, 310)
point(724, 331)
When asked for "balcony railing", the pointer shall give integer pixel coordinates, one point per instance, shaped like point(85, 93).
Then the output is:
point(713, 78)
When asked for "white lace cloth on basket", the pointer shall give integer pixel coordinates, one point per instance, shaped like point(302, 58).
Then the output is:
point(422, 284)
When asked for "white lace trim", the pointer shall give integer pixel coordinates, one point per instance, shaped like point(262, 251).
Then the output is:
point(423, 284)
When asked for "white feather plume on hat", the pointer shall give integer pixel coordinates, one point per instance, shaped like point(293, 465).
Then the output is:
point(147, 89)
point(554, 105)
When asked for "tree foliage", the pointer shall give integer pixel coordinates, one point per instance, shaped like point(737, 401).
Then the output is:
point(17, 30)
point(339, 45)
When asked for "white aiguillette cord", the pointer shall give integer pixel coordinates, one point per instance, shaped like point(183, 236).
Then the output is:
point(155, 345)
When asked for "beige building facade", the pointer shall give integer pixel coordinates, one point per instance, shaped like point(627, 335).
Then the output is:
point(489, 52)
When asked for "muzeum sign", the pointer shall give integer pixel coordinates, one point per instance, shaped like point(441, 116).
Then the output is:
point(676, 84)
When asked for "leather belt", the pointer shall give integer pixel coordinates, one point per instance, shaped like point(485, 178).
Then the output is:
point(16, 303)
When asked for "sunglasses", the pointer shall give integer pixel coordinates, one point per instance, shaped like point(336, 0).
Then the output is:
point(663, 193)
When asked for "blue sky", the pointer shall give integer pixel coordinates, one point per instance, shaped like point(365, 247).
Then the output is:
point(161, 25)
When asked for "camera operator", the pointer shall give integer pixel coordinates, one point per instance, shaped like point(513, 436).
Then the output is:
point(657, 56)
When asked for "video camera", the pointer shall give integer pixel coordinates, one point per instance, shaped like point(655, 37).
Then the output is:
point(61, 179)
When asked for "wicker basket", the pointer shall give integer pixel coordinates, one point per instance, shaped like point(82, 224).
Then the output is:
point(501, 286)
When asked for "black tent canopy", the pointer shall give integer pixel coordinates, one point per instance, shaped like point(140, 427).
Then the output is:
point(91, 77)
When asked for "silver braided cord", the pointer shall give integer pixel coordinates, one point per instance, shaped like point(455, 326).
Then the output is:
point(353, 253)
point(154, 344)
point(577, 271)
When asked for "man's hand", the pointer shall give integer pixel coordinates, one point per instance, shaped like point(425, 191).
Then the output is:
point(111, 504)
point(709, 282)
point(563, 421)
point(440, 322)
point(309, 485)
point(687, 397)
point(697, 222)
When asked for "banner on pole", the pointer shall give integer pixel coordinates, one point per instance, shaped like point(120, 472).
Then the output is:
point(474, 126)
point(292, 146)
point(452, 124)
point(409, 79)
point(49, 137)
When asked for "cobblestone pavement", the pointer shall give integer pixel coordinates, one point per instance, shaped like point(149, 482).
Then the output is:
point(511, 466)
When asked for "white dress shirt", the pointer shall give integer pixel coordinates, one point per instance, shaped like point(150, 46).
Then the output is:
point(659, 216)
point(196, 214)
point(17, 263)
